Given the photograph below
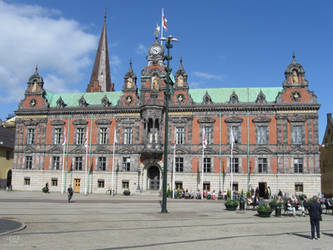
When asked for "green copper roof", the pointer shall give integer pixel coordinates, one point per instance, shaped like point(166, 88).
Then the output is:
point(218, 95)
point(92, 98)
point(245, 95)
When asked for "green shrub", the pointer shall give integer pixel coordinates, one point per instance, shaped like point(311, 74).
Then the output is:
point(275, 203)
point(126, 192)
point(228, 194)
point(302, 196)
point(230, 202)
point(264, 208)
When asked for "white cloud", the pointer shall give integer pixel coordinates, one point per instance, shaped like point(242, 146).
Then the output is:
point(141, 50)
point(194, 85)
point(32, 35)
point(208, 76)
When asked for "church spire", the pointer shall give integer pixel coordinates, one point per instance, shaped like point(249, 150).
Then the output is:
point(100, 80)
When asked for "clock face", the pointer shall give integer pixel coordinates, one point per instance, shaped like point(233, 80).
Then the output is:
point(129, 99)
point(181, 98)
point(33, 102)
point(155, 50)
point(296, 96)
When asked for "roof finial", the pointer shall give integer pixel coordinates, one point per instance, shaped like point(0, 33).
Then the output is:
point(36, 69)
point(130, 69)
point(294, 55)
point(181, 60)
point(105, 14)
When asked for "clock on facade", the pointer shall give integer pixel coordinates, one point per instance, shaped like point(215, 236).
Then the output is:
point(181, 98)
point(296, 96)
point(33, 103)
point(155, 50)
point(129, 99)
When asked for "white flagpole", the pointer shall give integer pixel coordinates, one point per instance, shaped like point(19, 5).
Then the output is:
point(174, 168)
point(202, 160)
point(63, 163)
point(231, 174)
point(86, 165)
point(202, 170)
point(162, 25)
point(113, 166)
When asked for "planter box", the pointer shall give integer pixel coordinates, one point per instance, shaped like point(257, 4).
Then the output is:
point(264, 213)
point(231, 207)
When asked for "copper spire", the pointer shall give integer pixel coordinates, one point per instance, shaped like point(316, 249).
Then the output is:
point(100, 80)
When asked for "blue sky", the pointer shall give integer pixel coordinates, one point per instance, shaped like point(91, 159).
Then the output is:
point(223, 43)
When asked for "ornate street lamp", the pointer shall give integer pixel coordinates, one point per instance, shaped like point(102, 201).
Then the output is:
point(169, 83)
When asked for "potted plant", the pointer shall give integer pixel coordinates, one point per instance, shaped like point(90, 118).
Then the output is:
point(242, 201)
point(178, 194)
point(169, 193)
point(228, 195)
point(264, 210)
point(276, 205)
point(302, 196)
point(126, 192)
point(231, 205)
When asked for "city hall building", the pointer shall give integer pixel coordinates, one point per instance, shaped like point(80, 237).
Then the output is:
point(105, 138)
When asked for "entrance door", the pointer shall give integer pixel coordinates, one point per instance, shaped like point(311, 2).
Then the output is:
point(262, 187)
point(154, 178)
point(9, 179)
point(77, 185)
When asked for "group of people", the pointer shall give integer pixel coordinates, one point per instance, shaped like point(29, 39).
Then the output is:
point(188, 194)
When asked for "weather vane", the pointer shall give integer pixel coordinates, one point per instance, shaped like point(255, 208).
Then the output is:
point(157, 31)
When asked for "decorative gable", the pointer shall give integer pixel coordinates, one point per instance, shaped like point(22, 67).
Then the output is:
point(233, 98)
point(83, 102)
point(207, 99)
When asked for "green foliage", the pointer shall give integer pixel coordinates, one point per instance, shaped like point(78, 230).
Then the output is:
point(248, 194)
point(228, 194)
point(126, 192)
point(302, 196)
point(230, 202)
point(275, 203)
point(264, 208)
point(169, 192)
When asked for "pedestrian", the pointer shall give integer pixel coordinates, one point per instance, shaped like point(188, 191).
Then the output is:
point(70, 193)
point(315, 211)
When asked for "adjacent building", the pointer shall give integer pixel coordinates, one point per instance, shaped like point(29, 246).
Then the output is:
point(7, 137)
point(104, 138)
point(326, 158)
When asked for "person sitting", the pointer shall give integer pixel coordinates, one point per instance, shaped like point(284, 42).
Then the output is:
point(198, 195)
point(329, 205)
point(208, 195)
point(187, 194)
point(297, 204)
point(213, 195)
point(191, 194)
point(290, 207)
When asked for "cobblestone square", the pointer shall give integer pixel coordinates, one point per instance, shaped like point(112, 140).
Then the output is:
point(135, 222)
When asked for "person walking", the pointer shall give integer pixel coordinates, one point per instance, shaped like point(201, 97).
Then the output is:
point(70, 193)
point(315, 211)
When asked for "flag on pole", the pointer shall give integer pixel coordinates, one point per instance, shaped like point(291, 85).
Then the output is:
point(86, 140)
point(204, 139)
point(115, 137)
point(232, 139)
point(64, 138)
point(164, 21)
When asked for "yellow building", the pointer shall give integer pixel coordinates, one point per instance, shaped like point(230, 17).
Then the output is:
point(326, 158)
point(7, 137)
